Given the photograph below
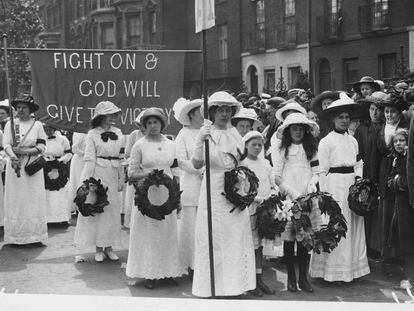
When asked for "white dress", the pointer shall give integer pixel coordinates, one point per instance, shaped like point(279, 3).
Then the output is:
point(130, 190)
point(234, 261)
point(103, 229)
point(349, 259)
point(76, 166)
point(25, 197)
point(190, 183)
point(296, 171)
point(2, 165)
point(56, 200)
point(153, 244)
point(263, 170)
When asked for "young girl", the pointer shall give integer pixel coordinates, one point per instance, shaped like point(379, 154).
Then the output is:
point(296, 169)
point(401, 235)
point(254, 142)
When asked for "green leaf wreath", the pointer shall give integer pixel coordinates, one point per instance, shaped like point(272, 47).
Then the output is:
point(59, 182)
point(363, 197)
point(270, 220)
point(158, 212)
point(231, 191)
point(88, 209)
point(328, 236)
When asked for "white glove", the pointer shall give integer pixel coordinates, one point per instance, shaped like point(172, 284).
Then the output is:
point(204, 132)
point(312, 184)
point(293, 193)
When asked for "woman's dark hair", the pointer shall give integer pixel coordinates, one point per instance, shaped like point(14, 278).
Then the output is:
point(212, 112)
point(309, 142)
point(97, 121)
point(144, 122)
point(191, 113)
point(234, 122)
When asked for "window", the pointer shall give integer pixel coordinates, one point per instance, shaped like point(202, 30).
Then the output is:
point(293, 74)
point(290, 9)
point(270, 81)
point(108, 37)
point(223, 50)
point(379, 13)
point(260, 25)
point(95, 37)
point(133, 30)
point(351, 72)
point(387, 66)
point(153, 22)
point(335, 6)
point(324, 75)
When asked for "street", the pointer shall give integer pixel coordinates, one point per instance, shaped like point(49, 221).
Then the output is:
point(51, 269)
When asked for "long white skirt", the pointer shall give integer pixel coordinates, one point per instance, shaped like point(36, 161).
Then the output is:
point(76, 167)
point(103, 229)
point(57, 207)
point(234, 261)
point(153, 247)
point(186, 232)
point(1, 203)
point(24, 207)
point(129, 204)
point(349, 259)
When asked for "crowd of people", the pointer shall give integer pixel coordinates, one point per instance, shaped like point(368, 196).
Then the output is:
point(293, 143)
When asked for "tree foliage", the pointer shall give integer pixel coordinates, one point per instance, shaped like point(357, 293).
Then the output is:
point(21, 23)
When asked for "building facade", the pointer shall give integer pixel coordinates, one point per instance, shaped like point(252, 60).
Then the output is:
point(353, 38)
point(274, 43)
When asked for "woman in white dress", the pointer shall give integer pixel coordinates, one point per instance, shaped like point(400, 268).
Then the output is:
point(76, 166)
point(130, 190)
point(57, 148)
point(153, 244)
point(234, 259)
point(104, 144)
point(340, 162)
point(188, 114)
point(24, 215)
point(296, 169)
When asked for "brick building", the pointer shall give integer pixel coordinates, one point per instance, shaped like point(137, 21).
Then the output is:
point(274, 36)
point(353, 38)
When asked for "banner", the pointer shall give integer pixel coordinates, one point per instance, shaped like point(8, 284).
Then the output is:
point(204, 14)
point(67, 85)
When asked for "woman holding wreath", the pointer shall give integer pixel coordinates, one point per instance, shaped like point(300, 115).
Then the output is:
point(340, 162)
point(188, 114)
point(153, 244)
point(25, 215)
point(104, 147)
point(234, 258)
point(57, 149)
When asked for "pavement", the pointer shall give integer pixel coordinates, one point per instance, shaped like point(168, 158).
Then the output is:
point(51, 269)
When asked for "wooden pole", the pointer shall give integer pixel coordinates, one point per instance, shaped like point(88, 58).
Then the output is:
point(207, 157)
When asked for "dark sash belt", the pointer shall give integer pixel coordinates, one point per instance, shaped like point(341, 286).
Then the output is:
point(109, 158)
point(342, 170)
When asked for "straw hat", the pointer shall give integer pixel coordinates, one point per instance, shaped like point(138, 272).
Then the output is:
point(154, 112)
point(275, 101)
point(4, 104)
point(343, 104)
point(297, 118)
point(183, 106)
point(366, 80)
point(137, 120)
point(293, 92)
point(222, 98)
point(105, 108)
point(378, 98)
point(246, 113)
point(252, 134)
point(289, 105)
point(316, 104)
point(25, 99)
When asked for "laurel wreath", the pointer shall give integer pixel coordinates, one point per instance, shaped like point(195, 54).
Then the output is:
point(363, 197)
point(267, 224)
point(158, 212)
point(230, 189)
point(59, 182)
point(87, 209)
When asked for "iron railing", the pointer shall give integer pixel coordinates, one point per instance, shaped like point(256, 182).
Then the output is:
point(374, 17)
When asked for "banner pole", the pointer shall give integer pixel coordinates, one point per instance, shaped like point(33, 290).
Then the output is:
point(207, 157)
point(6, 69)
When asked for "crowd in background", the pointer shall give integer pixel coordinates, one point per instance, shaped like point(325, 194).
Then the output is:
point(295, 144)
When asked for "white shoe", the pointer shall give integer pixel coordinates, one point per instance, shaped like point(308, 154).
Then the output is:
point(99, 257)
point(111, 255)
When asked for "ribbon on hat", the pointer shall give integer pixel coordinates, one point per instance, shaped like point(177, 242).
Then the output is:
point(108, 135)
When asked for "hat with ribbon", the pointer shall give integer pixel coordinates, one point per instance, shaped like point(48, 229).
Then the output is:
point(289, 105)
point(25, 99)
point(275, 101)
point(183, 106)
point(297, 118)
point(343, 104)
point(247, 114)
point(222, 98)
point(366, 80)
point(380, 99)
point(316, 104)
point(105, 108)
point(154, 112)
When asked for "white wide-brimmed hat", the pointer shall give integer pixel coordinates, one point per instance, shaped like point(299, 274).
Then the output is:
point(252, 134)
point(104, 108)
point(222, 98)
point(138, 118)
point(4, 104)
point(183, 106)
point(298, 118)
point(289, 105)
point(343, 104)
point(249, 114)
